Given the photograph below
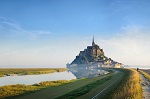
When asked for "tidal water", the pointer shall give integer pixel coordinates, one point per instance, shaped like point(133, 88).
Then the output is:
point(32, 79)
point(67, 75)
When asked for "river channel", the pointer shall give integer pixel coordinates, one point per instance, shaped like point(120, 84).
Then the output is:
point(67, 75)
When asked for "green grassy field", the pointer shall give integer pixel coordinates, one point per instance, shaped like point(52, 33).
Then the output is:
point(84, 89)
point(29, 71)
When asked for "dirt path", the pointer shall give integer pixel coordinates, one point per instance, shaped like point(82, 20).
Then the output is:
point(146, 87)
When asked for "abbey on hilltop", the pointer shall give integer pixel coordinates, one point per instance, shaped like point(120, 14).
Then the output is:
point(93, 56)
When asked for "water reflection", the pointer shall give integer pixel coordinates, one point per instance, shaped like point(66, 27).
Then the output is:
point(87, 73)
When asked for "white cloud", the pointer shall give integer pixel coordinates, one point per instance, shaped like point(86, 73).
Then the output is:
point(131, 46)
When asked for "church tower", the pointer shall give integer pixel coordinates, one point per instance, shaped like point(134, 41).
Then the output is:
point(93, 43)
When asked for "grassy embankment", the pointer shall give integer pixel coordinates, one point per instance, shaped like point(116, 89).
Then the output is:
point(29, 71)
point(10, 91)
point(146, 75)
point(129, 88)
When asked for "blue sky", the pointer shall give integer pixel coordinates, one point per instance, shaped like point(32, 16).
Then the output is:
point(50, 33)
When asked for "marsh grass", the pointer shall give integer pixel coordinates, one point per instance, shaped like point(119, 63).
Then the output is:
point(13, 90)
point(20, 89)
point(29, 71)
point(54, 83)
point(129, 88)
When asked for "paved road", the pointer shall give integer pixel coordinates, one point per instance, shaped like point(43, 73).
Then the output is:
point(145, 87)
point(101, 92)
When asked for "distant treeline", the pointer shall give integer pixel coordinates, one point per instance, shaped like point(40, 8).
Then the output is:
point(29, 71)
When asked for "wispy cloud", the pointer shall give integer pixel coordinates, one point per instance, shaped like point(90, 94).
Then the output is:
point(10, 28)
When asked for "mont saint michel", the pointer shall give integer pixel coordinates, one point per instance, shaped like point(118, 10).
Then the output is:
point(92, 57)
point(106, 44)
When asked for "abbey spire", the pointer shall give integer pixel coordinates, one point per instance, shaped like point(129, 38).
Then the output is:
point(93, 43)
